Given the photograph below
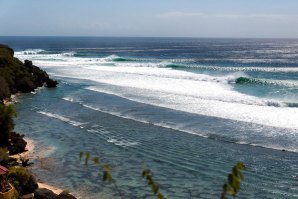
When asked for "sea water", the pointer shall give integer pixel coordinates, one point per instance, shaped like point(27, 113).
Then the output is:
point(186, 108)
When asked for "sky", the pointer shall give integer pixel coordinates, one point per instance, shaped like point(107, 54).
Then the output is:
point(150, 18)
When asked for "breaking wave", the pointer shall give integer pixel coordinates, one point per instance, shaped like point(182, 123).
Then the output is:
point(80, 58)
point(62, 118)
point(250, 80)
point(178, 127)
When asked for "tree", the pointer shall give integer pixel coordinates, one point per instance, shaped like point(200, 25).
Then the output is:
point(7, 113)
point(4, 89)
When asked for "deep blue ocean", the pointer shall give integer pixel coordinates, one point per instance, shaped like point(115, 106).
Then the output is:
point(187, 108)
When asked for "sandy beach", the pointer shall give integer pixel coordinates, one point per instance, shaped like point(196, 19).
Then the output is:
point(30, 153)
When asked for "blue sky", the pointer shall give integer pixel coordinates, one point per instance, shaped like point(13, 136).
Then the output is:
point(166, 18)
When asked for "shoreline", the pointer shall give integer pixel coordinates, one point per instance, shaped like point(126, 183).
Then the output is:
point(30, 151)
point(28, 79)
point(30, 154)
point(49, 187)
point(11, 100)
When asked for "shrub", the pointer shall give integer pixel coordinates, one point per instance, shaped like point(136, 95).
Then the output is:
point(4, 157)
point(4, 89)
point(232, 185)
point(25, 85)
point(22, 180)
point(6, 123)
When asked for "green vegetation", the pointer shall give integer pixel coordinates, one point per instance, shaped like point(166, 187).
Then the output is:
point(231, 187)
point(7, 113)
point(4, 89)
point(106, 176)
point(4, 156)
point(96, 160)
point(16, 76)
point(149, 177)
point(10, 140)
point(22, 180)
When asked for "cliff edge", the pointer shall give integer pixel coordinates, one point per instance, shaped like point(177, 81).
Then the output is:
point(16, 76)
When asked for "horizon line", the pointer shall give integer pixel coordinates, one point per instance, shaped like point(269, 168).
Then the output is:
point(182, 37)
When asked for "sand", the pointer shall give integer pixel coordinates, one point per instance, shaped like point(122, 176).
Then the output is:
point(52, 188)
point(30, 153)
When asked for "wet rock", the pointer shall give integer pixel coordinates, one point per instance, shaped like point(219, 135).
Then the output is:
point(28, 63)
point(17, 143)
point(51, 83)
point(65, 195)
point(44, 193)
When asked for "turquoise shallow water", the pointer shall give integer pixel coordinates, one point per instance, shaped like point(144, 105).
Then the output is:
point(172, 105)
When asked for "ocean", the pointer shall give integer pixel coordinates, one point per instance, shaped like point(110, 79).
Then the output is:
point(187, 108)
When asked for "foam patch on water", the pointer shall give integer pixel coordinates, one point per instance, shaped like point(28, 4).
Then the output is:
point(158, 85)
point(62, 118)
point(283, 117)
point(68, 59)
point(169, 81)
point(29, 52)
point(122, 142)
point(179, 127)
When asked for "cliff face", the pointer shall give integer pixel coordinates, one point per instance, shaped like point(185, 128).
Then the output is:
point(16, 76)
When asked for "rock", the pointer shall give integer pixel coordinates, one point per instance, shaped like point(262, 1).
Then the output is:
point(17, 143)
point(65, 195)
point(30, 186)
point(28, 64)
point(51, 83)
point(44, 193)
point(19, 76)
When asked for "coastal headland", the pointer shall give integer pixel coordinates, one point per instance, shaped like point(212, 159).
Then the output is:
point(18, 77)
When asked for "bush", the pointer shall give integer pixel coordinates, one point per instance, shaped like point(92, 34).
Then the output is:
point(22, 180)
point(4, 157)
point(25, 85)
point(4, 89)
point(6, 123)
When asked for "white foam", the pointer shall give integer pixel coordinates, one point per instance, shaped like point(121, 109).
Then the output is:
point(151, 83)
point(118, 114)
point(62, 118)
point(122, 142)
point(283, 117)
point(174, 126)
point(168, 81)
point(66, 59)
point(28, 52)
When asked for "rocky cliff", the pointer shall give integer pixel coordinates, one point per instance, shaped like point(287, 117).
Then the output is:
point(16, 76)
